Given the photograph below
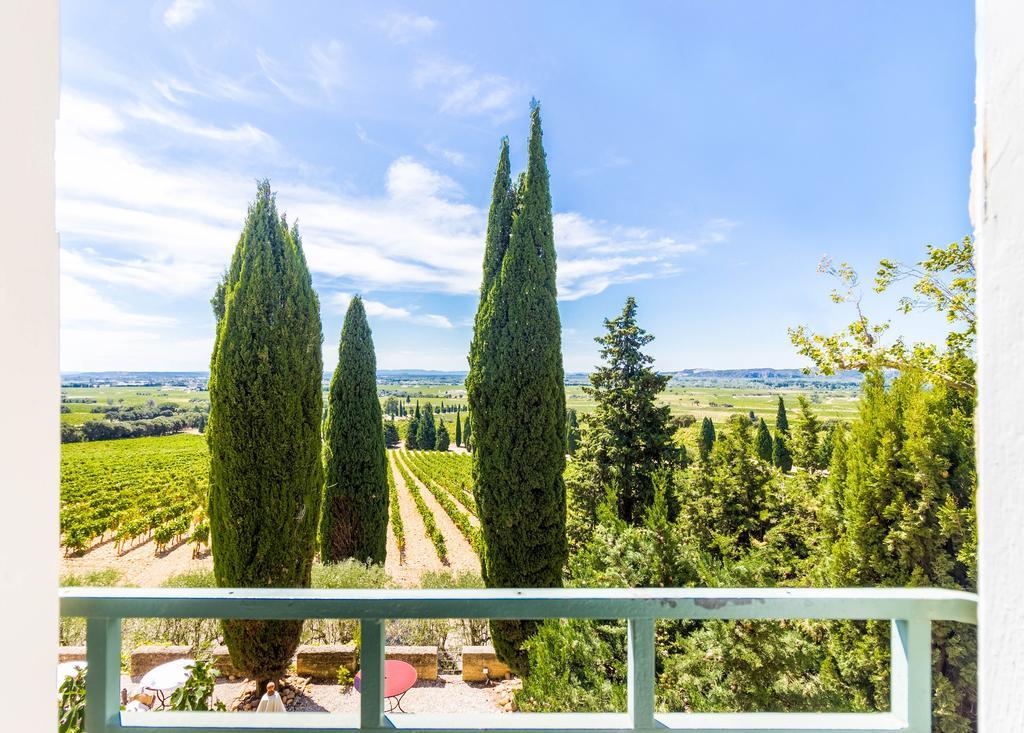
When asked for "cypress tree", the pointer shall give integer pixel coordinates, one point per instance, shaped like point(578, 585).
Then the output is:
point(781, 421)
point(411, 428)
point(764, 442)
point(266, 472)
point(444, 441)
point(753, 417)
point(354, 510)
point(707, 438)
point(807, 437)
point(458, 427)
point(390, 434)
point(517, 399)
point(781, 455)
point(417, 414)
point(572, 432)
point(426, 430)
point(467, 434)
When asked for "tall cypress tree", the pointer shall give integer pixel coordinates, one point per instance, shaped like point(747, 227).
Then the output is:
point(426, 430)
point(443, 441)
point(467, 435)
point(354, 511)
point(572, 432)
point(517, 401)
point(763, 442)
point(782, 457)
point(411, 428)
point(781, 421)
point(264, 430)
point(706, 441)
point(458, 427)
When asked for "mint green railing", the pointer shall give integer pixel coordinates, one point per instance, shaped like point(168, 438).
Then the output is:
point(911, 612)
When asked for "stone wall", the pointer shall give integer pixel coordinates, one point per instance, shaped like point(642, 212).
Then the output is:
point(475, 658)
point(71, 654)
point(144, 658)
point(321, 662)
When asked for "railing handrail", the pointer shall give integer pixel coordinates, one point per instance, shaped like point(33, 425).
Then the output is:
point(910, 610)
point(934, 604)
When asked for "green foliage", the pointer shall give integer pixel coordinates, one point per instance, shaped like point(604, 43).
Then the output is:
point(944, 281)
point(426, 430)
point(396, 516)
point(444, 441)
point(707, 438)
point(71, 704)
point(345, 677)
point(354, 510)
point(411, 428)
point(391, 438)
point(266, 473)
point(807, 451)
point(458, 427)
point(433, 532)
point(197, 692)
point(572, 432)
point(781, 420)
point(516, 394)
point(467, 435)
point(630, 439)
point(764, 442)
point(782, 457)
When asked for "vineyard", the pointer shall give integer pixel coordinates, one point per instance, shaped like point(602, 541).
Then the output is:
point(134, 490)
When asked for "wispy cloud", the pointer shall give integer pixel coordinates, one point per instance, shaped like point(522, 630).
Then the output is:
point(452, 156)
point(245, 133)
point(83, 304)
point(322, 72)
point(375, 308)
point(464, 90)
point(180, 13)
point(405, 27)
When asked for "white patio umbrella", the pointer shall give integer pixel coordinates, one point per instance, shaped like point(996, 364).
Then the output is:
point(162, 681)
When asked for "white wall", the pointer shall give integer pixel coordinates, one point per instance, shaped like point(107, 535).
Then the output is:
point(29, 378)
point(997, 210)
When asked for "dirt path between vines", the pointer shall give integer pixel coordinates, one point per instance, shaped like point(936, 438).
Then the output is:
point(139, 565)
point(472, 518)
point(460, 554)
point(420, 555)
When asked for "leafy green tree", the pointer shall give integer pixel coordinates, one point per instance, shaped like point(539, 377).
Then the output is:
point(764, 442)
point(266, 473)
point(782, 457)
point(572, 432)
point(426, 429)
point(706, 440)
point(443, 441)
point(458, 427)
point(781, 421)
point(391, 438)
point(392, 406)
point(631, 436)
point(517, 397)
point(354, 510)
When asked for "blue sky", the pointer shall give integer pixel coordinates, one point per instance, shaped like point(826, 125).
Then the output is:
point(703, 157)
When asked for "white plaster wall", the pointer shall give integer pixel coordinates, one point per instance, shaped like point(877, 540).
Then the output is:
point(997, 210)
point(29, 378)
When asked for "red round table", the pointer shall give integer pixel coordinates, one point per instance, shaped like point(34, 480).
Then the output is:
point(399, 677)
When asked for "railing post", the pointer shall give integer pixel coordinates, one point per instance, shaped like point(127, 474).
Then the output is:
point(641, 672)
point(102, 675)
point(910, 684)
point(371, 673)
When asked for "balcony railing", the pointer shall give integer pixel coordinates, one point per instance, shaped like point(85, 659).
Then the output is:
point(911, 612)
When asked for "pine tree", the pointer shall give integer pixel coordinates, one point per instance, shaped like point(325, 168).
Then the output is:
point(517, 397)
point(706, 440)
point(391, 438)
point(572, 432)
point(426, 429)
point(806, 437)
point(266, 472)
point(781, 421)
point(764, 442)
point(354, 511)
point(444, 441)
point(781, 455)
point(630, 439)
point(458, 427)
point(411, 428)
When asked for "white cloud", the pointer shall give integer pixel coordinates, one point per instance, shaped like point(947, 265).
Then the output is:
point(452, 156)
point(323, 71)
point(405, 27)
point(376, 309)
point(245, 134)
point(465, 91)
point(82, 304)
point(182, 12)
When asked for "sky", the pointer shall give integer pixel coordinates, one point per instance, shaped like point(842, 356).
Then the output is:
point(704, 156)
